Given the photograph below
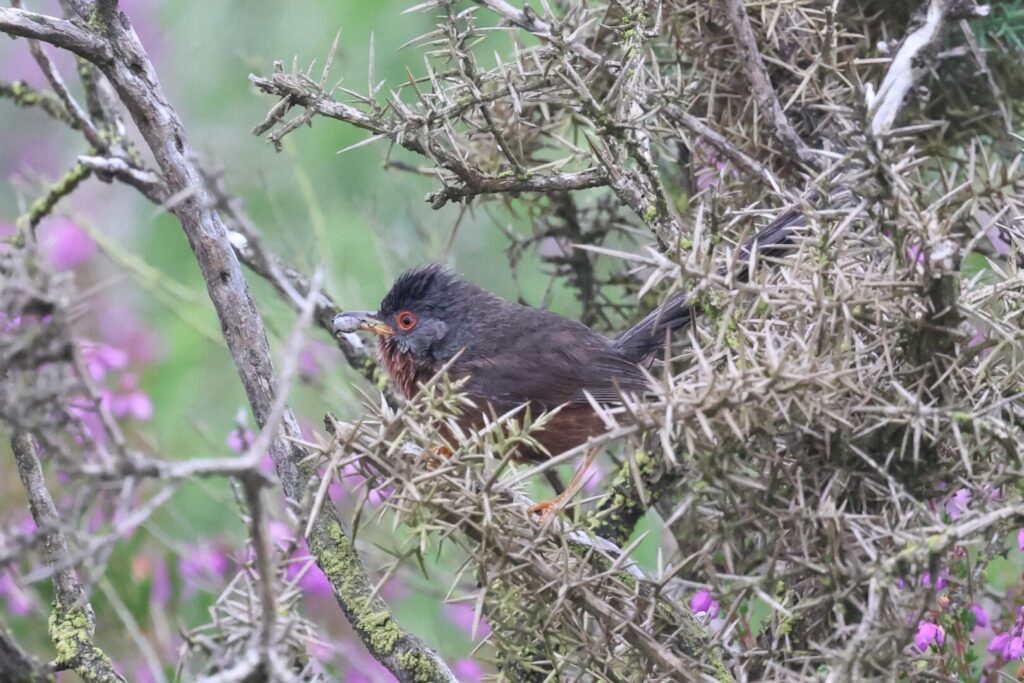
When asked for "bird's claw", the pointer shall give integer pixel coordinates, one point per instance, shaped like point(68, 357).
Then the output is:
point(546, 509)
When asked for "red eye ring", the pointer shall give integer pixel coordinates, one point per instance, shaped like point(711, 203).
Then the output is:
point(406, 320)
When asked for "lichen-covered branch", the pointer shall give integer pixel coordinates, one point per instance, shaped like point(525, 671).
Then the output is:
point(72, 623)
point(24, 95)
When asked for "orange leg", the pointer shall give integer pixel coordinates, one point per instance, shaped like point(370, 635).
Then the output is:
point(437, 455)
point(548, 508)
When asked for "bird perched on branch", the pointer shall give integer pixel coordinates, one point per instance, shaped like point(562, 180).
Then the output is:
point(511, 354)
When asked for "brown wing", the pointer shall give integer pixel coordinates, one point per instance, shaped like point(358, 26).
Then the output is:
point(548, 361)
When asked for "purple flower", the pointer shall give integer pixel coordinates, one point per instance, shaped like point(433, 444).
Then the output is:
point(65, 244)
point(462, 616)
point(916, 253)
point(1020, 539)
point(205, 563)
point(928, 633)
point(592, 478)
point(161, 591)
point(378, 495)
point(1007, 646)
point(102, 358)
point(703, 604)
point(239, 440)
point(941, 580)
point(131, 402)
point(958, 503)
point(300, 564)
point(309, 366)
point(18, 601)
point(1010, 644)
point(1001, 246)
point(120, 327)
point(980, 618)
point(468, 670)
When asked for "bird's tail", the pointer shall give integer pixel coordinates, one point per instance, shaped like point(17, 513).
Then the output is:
point(648, 335)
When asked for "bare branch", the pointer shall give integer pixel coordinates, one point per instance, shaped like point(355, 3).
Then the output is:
point(58, 32)
point(767, 100)
point(73, 622)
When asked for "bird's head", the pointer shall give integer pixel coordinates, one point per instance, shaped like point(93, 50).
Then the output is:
point(429, 315)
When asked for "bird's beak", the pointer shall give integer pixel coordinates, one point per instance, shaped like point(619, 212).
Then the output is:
point(355, 321)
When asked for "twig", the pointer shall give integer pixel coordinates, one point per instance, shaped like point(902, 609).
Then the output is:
point(73, 622)
point(906, 66)
point(19, 666)
point(757, 75)
point(42, 207)
point(24, 95)
point(58, 32)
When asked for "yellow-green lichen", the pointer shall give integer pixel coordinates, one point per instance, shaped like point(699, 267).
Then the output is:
point(341, 566)
point(421, 667)
point(70, 630)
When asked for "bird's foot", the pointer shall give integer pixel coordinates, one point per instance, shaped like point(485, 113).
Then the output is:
point(546, 509)
point(437, 456)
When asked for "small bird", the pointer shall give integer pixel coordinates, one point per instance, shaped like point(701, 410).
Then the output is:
point(512, 355)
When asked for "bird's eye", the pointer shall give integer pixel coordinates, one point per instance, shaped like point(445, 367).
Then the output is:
point(406, 320)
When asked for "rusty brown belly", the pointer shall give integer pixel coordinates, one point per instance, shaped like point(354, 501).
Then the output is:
point(569, 428)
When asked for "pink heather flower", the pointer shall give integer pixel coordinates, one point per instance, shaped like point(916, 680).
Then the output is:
point(122, 328)
point(161, 590)
point(1010, 644)
point(592, 478)
point(309, 364)
point(18, 601)
point(310, 578)
point(468, 670)
point(378, 495)
point(1001, 246)
point(462, 614)
point(65, 244)
point(131, 402)
point(1007, 646)
point(928, 633)
point(941, 580)
point(703, 603)
point(958, 503)
point(9, 323)
point(205, 563)
point(979, 336)
point(980, 618)
point(916, 253)
point(362, 668)
point(239, 440)
point(1020, 539)
point(102, 358)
